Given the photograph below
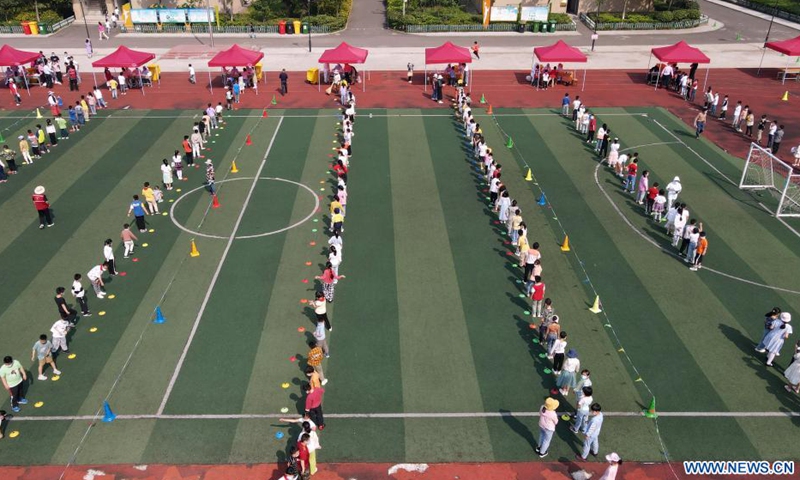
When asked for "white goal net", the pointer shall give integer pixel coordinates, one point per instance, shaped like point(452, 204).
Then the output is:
point(765, 171)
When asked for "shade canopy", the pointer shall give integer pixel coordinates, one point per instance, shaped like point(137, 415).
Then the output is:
point(447, 53)
point(124, 57)
point(681, 52)
point(559, 52)
point(236, 56)
point(344, 53)
point(789, 47)
point(11, 57)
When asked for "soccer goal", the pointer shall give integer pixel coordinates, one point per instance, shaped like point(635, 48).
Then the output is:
point(765, 171)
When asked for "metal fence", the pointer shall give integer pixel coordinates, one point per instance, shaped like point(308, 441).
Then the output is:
point(770, 10)
point(643, 25)
point(48, 28)
point(496, 27)
point(203, 28)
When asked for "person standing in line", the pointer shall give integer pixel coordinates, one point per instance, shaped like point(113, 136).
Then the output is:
point(150, 198)
point(591, 442)
point(64, 311)
point(336, 240)
point(166, 174)
point(321, 310)
point(737, 113)
point(312, 444)
point(42, 207)
point(337, 219)
point(313, 405)
point(303, 457)
point(80, 295)
point(177, 164)
point(210, 177)
point(723, 114)
point(313, 377)
point(43, 350)
point(568, 378)
point(8, 155)
point(335, 259)
point(192, 77)
point(14, 377)
point(582, 410)
point(777, 139)
point(138, 212)
point(108, 254)
point(548, 419)
point(128, 239)
point(714, 104)
point(700, 252)
point(749, 121)
point(603, 150)
point(314, 359)
point(630, 180)
point(769, 318)
point(63, 131)
point(558, 352)
point(319, 337)
point(792, 372)
point(24, 150)
point(537, 296)
point(98, 95)
point(188, 150)
point(284, 78)
point(95, 276)
point(781, 330)
point(700, 123)
point(565, 101)
point(674, 189)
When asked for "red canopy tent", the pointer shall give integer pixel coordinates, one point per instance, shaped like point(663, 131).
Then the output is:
point(11, 57)
point(447, 53)
point(344, 53)
point(559, 52)
point(235, 56)
point(790, 48)
point(124, 57)
point(681, 52)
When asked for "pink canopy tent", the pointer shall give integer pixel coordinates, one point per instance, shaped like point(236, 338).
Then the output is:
point(681, 52)
point(344, 53)
point(790, 48)
point(235, 56)
point(124, 57)
point(11, 57)
point(559, 52)
point(447, 53)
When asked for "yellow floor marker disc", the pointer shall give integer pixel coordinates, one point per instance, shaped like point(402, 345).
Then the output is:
point(112, 296)
point(101, 312)
point(170, 201)
point(145, 245)
point(71, 356)
point(285, 385)
point(164, 214)
point(93, 329)
point(14, 434)
point(152, 230)
point(178, 190)
point(284, 410)
point(38, 405)
point(55, 378)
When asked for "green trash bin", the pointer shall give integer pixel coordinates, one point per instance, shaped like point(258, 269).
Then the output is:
point(543, 27)
point(535, 27)
point(304, 28)
point(552, 28)
point(44, 28)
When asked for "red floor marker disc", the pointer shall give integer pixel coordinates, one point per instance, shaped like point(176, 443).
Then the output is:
point(122, 274)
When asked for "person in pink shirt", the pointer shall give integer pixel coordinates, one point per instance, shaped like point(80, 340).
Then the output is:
point(328, 280)
point(548, 419)
point(314, 405)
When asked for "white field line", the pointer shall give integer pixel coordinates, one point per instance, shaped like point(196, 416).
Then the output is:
point(336, 115)
point(213, 283)
point(404, 415)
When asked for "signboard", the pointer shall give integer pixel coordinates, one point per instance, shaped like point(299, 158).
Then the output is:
point(506, 13)
point(147, 15)
point(172, 15)
point(200, 15)
point(535, 14)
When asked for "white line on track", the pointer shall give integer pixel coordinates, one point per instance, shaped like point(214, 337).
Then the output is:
point(336, 115)
point(401, 415)
point(202, 310)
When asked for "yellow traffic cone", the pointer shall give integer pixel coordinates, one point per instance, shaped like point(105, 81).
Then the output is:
point(596, 306)
point(39, 114)
point(529, 176)
point(565, 244)
point(785, 97)
point(233, 167)
point(194, 252)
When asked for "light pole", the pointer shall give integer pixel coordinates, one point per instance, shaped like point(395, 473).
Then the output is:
point(83, 13)
point(766, 39)
point(208, 17)
point(309, 26)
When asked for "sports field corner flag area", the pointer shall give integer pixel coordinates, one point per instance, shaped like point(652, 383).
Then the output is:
point(268, 279)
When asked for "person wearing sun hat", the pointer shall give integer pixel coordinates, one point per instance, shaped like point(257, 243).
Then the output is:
point(42, 207)
point(781, 330)
point(548, 419)
point(614, 461)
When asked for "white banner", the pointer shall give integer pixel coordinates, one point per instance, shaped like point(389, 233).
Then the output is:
point(535, 14)
point(507, 13)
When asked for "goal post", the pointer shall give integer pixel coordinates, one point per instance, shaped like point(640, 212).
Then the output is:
point(764, 171)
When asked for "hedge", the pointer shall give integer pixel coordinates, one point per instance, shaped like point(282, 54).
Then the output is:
point(442, 15)
point(638, 17)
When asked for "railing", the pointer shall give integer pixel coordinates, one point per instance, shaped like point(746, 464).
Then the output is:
point(643, 25)
point(203, 28)
point(48, 28)
point(760, 7)
point(496, 27)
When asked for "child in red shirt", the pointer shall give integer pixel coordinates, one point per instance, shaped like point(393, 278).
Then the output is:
point(652, 193)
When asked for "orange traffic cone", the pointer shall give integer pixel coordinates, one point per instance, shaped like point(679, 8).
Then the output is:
point(194, 252)
point(565, 245)
point(264, 113)
point(489, 110)
point(215, 203)
point(248, 141)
